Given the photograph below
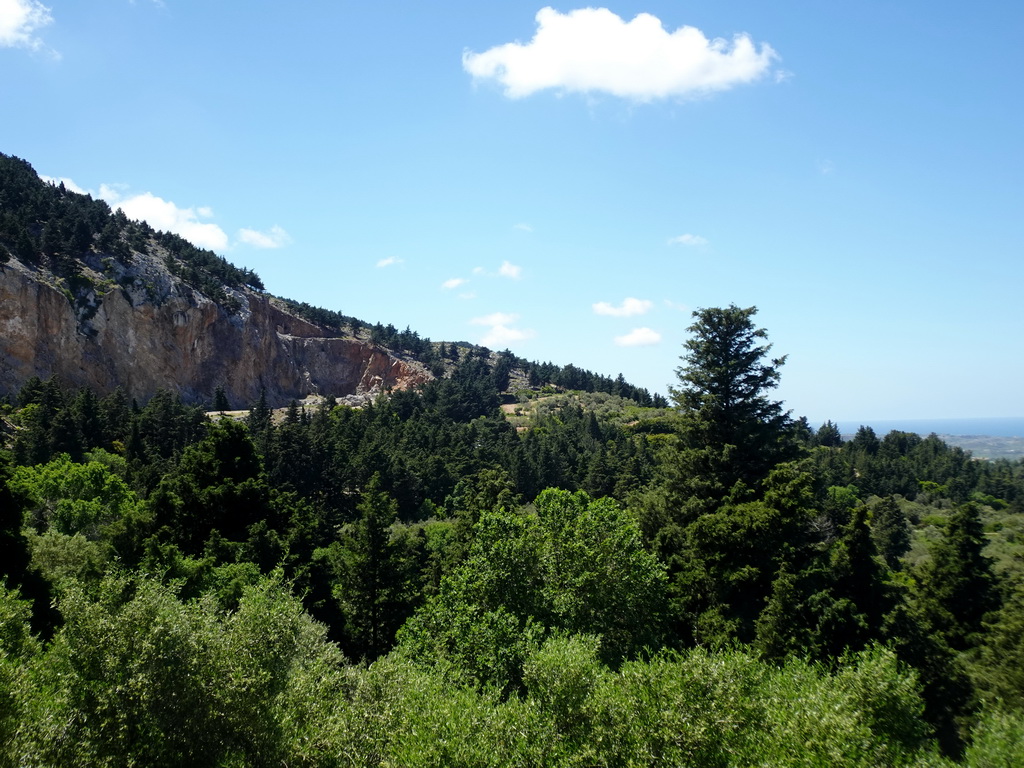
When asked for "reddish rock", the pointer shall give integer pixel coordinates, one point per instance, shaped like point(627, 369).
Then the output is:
point(152, 331)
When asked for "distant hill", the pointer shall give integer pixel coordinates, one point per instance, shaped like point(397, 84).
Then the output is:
point(103, 301)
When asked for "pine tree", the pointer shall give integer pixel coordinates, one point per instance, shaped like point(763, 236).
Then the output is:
point(732, 432)
point(220, 400)
point(369, 575)
point(891, 531)
point(828, 436)
point(958, 587)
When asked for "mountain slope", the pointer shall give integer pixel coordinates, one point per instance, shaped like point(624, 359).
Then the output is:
point(103, 302)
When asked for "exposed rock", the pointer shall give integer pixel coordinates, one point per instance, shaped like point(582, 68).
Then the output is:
point(138, 327)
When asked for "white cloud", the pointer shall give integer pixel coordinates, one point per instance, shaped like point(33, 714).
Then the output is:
point(501, 333)
point(19, 21)
point(524, 227)
point(68, 183)
point(467, 295)
point(389, 261)
point(627, 308)
point(497, 318)
point(275, 238)
point(165, 215)
point(638, 337)
point(454, 282)
point(593, 50)
point(688, 239)
point(509, 270)
point(501, 336)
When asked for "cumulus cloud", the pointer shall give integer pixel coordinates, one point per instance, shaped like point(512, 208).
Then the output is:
point(275, 238)
point(165, 215)
point(389, 261)
point(509, 270)
point(592, 50)
point(454, 282)
point(688, 239)
point(638, 337)
point(500, 332)
point(19, 21)
point(627, 308)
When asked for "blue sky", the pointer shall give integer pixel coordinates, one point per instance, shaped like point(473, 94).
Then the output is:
point(571, 182)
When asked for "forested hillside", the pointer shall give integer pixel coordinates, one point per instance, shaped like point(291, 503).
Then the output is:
point(512, 564)
point(421, 582)
point(105, 301)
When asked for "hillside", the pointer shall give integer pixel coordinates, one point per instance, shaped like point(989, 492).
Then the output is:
point(103, 302)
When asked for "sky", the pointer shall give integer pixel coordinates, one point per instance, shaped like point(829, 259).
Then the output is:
point(571, 182)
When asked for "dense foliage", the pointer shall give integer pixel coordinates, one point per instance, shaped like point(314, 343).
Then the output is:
point(599, 584)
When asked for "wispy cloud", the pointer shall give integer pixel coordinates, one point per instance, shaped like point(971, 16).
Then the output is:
point(454, 282)
point(638, 337)
point(592, 50)
point(500, 332)
point(523, 227)
point(509, 270)
point(628, 308)
point(496, 318)
point(389, 261)
point(688, 239)
point(19, 22)
point(276, 237)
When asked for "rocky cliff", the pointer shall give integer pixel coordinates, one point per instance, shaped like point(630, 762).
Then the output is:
point(132, 324)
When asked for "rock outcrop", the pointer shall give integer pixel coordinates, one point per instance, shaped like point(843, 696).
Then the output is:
point(139, 327)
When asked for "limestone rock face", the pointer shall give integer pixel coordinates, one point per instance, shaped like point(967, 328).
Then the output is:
point(142, 329)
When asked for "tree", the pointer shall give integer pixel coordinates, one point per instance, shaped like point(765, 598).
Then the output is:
point(577, 566)
point(958, 587)
point(260, 415)
point(370, 574)
point(218, 485)
point(828, 435)
point(891, 531)
point(725, 378)
point(732, 432)
point(220, 400)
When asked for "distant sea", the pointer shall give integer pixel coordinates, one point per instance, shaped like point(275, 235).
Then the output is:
point(990, 427)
